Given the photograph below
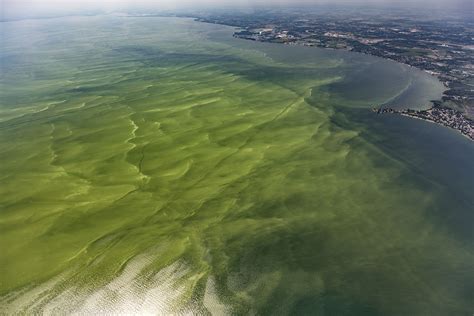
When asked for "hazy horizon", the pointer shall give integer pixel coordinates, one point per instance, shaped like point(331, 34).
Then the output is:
point(36, 8)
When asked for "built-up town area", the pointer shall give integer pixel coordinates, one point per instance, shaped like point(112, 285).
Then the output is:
point(441, 46)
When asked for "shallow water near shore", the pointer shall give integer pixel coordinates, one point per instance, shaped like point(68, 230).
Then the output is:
point(158, 165)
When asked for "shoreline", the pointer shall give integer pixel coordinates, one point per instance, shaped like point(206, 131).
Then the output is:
point(437, 114)
point(449, 117)
point(433, 122)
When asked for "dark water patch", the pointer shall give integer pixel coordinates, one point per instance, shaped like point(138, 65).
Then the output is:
point(438, 158)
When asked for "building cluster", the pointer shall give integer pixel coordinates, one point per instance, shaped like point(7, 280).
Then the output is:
point(442, 115)
point(441, 46)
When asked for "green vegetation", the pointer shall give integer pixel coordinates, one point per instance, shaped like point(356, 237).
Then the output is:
point(149, 163)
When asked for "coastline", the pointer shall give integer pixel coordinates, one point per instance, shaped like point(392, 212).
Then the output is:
point(433, 122)
point(451, 114)
point(437, 114)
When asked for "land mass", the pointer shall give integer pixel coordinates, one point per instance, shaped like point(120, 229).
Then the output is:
point(441, 46)
point(437, 114)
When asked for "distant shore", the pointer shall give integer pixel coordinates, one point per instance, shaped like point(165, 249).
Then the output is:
point(447, 57)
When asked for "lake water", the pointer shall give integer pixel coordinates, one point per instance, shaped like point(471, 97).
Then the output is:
point(159, 165)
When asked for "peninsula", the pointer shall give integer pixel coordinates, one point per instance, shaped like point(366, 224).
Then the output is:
point(437, 114)
point(441, 46)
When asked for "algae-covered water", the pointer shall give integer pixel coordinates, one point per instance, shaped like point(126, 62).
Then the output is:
point(158, 165)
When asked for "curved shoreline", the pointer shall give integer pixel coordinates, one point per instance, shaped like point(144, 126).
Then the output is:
point(450, 118)
point(439, 115)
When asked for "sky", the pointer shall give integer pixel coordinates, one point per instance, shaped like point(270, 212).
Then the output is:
point(31, 8)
